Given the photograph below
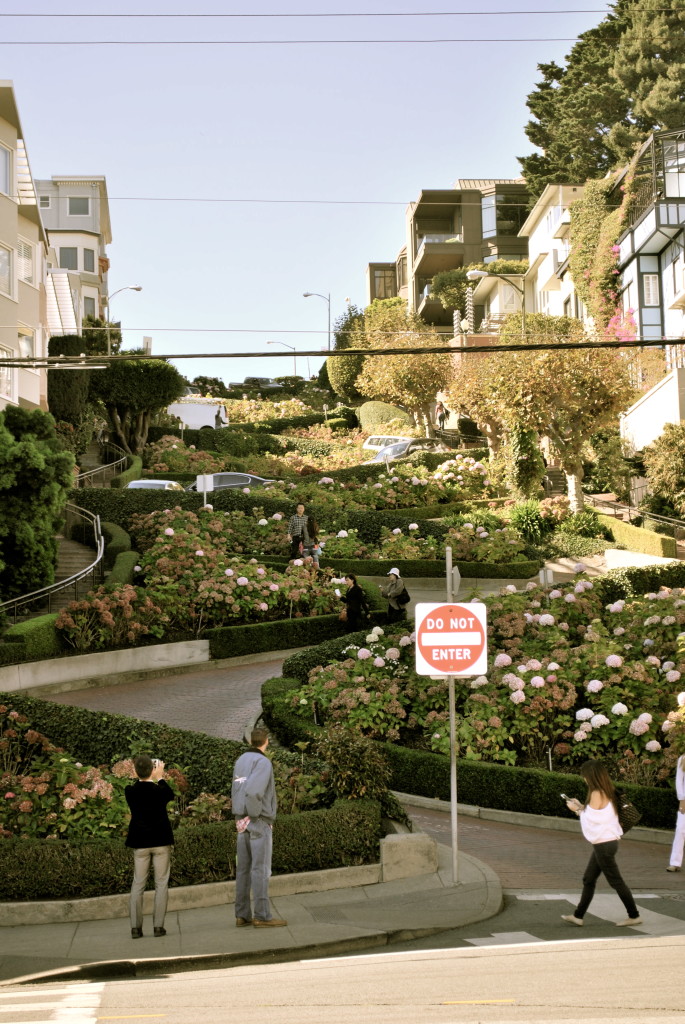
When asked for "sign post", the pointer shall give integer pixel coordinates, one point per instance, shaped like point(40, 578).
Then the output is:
point(451, 640)
point(204, 482)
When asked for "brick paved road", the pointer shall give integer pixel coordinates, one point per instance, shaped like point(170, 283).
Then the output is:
point(220, 702)
point(536, 858)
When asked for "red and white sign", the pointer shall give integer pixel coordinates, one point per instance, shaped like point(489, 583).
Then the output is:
point(451, 639)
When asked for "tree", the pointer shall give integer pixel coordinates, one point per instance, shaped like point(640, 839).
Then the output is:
point(131, 392)
point(344, 370)
point(35, 477)
point(664, 461)
point(213, 386)
point(585, 119)
point(564, 394)
point(410, 381)
point(101, 336)
point(449, 286)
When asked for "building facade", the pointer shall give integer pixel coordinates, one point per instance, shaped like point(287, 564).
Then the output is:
point(75, 212)
point(23, 266)
point(476, 221)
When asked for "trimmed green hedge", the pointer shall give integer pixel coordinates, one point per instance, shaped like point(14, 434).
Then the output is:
point(639, 579)
point(33, 869)
point(134, 472)
point(433, 567)
point(636, 539)
point(123, 568)
point(424, 773)
point(118, 506)
point(37, 638)
point(117, 540)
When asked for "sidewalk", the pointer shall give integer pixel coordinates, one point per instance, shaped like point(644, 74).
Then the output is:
point(321, 923)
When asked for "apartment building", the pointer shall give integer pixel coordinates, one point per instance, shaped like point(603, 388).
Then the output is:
point(75, 212)
point(23, 258)
point(476, 221)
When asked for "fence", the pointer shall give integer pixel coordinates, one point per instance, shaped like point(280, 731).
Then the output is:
point(115, 460)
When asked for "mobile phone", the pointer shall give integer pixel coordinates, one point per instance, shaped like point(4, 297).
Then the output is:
point(564, 797)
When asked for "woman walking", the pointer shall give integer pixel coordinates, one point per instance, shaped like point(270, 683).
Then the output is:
point(355, 602)
point(601, 827)
point(312, 548)
point(676, 861)
point(392, 591)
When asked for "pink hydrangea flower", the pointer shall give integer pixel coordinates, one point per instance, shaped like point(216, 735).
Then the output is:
point(614, 661)
point(261, 572)
point(228, 572)
point(297, 561)
point(546, 619)
point(570, 598)
point(277, 516)
point(273, 587)
point(363, 653)
point(263, 607)
point(534, 665)
point(673, 676)
point(169, 532)
point(653, 746)
point(594, 686)
point(517, 697)
point(619, 709)
point(405, 641)
point(379, 662)
point(598, 720)
point(502, 660)
point(396, 531)
point(552, 667)
point(392, 653)
point(638, 728)
point(579, 736)
point(584, 715)
point(242, 581)
point(199, 553)
point(554, 594)
point(537, 681)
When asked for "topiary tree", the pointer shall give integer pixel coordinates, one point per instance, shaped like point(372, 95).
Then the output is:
point(344, 370)
point(373, 415)
point(131, 392)
point(68, 389)
point(35, 477)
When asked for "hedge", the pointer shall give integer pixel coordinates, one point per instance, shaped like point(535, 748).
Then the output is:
point(636, 539)
point(117, 540)
point(36, 637)
point(482, 784)
point(134, 472)
point(639, 579)
point(123, 569)
point(33, 869)
point(118, 506)
point(433, 567)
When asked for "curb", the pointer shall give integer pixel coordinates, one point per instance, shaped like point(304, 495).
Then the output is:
point(639, 834)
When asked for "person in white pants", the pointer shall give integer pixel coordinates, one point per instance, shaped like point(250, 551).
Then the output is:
point(676, 861)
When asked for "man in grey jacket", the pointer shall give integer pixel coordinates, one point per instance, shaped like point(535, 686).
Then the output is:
point(253, 796)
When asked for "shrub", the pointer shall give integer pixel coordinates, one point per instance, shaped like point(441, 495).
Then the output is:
point(527, 518)
point(124, 569)
point(356, 768)
point(585, 524)
point(133, 472)
point(37, 638)
point(117, 541)
point(374, 414)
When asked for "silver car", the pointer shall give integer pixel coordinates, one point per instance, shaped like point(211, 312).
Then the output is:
point(156, 485)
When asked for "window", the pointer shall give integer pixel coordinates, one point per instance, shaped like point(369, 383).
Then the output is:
point(384, 284)
point(68, 257)
point(567, 307)
point(89, 260)
point(4, 170)
point(650, 287)
point(88, 306)
point(5, 270)
point(26, 343)
point(25, 261)
point(6, 374)
point(79, 206)
point(44, 202)
point(502, 214)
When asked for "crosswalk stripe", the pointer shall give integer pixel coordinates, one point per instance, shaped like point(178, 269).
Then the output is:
point(504, 939)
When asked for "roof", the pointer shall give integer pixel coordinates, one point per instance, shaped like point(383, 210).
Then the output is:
point(479, 183)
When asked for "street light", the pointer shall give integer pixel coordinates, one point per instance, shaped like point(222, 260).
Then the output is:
point(476, 275)
point(326, 298)
point(286, 345)
point(126, 288)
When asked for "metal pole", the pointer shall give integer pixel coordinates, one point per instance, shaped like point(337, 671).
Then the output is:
point(329, 321)
point(453, 738)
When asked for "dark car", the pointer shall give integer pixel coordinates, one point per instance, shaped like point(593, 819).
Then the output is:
point(403, 449)
point(222, 481)
point(261, 382)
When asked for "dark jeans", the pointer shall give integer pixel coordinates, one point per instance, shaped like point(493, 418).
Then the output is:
point(396, 614)
point(603, 861)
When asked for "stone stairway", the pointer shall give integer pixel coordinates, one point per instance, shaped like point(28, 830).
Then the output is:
point(71, 558)
point(91, 458)
point(555, 482)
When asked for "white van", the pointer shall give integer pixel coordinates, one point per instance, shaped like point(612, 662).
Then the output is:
point(378, 441)
point(199, 412)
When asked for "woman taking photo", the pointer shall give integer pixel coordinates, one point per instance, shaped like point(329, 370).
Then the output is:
point(601, 827)
point(356, 604)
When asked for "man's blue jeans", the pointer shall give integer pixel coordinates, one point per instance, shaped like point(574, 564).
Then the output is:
point(253, 871)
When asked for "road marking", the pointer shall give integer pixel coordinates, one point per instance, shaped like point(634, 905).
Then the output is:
point(77, 1004)
point(134, 1016)
point(504, 938)
point(478, 1002)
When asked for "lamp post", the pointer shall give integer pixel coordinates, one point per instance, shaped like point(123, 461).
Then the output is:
point(286, 345)
point(126, 288)
point(326, 298)
point(476, 275)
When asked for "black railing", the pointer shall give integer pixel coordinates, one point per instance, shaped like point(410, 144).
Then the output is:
point(81, 525)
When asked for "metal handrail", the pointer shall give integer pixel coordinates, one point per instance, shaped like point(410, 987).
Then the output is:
point(107, 471)
point(617, 508)
point(12, 606)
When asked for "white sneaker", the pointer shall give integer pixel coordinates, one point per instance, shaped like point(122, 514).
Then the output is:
point(629, 922)
point(572, 919)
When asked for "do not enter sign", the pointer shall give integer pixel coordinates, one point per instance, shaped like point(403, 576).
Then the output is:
point(451, 639)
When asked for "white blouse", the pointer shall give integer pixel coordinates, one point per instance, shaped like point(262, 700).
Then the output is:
point(600, 825)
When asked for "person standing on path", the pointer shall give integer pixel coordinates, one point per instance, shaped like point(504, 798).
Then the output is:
point(298, 535)
point(441, 415)
point(312, 548)
point(253, 797)
point(601, 827)
point(151, 838)
point(676, 860)
point(391, 591)
point(355, 602)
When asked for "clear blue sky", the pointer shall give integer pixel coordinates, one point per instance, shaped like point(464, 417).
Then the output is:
point(269, 122)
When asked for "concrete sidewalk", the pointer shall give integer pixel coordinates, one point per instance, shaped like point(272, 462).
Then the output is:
point(321, 923)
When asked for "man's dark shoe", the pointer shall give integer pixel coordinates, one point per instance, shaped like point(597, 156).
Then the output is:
point(242, 922)
point(136, 933)
point(273, 922)
point(159, 932)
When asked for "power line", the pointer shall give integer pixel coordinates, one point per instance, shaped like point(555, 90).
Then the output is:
point(338, 14)
point(272, 42)
point(523, 346)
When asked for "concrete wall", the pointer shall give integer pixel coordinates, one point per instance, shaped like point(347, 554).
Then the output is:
point(644, 421)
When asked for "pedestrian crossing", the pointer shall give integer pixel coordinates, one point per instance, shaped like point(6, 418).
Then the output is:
point(78, 1004)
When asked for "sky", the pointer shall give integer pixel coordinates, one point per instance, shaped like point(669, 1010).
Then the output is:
point(241, 176)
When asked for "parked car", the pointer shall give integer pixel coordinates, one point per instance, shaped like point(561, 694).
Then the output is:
point(224, 480)
point(157, 485)
point(404, 449)
point(378, 441)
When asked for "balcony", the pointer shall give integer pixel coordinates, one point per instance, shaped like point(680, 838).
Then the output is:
point(436, 252)
point(432, 310)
